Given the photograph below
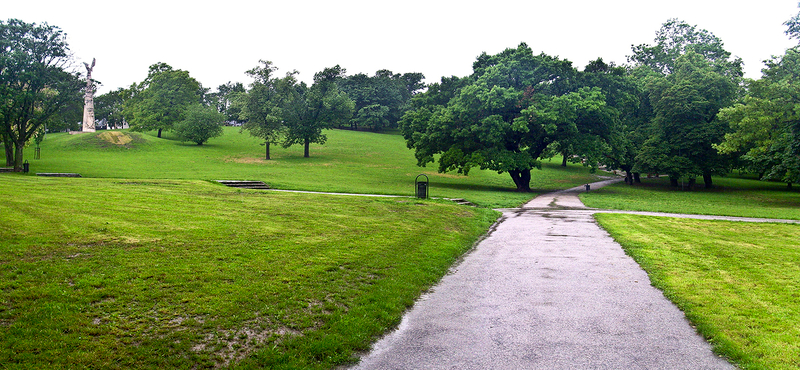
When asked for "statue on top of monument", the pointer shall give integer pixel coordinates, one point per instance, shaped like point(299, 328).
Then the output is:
point(88, 100)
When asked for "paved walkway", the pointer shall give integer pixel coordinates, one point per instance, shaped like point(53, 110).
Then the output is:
point(546, 289)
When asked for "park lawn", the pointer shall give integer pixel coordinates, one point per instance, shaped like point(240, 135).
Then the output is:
point(350, 161)
point(149, 273)
point(731, 197)
point(738, 283)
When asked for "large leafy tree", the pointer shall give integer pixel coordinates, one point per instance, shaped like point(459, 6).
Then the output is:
point(685, 126)
point(35, 86)
point(676, 38)
point(689, 77)
point(200, 123)
point(504, 116)
point(766, 124)
point(624, 95)
point(306, 111)
point(258, 107)
point(160, 101)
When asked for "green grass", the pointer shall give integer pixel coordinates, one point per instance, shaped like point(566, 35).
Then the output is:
point(145, 263)
point(112, 273)
point(739, 283)
point(357, 162)
point(731, 197)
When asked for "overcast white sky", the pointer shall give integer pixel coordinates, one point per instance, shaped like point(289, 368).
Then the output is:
point(218, 41)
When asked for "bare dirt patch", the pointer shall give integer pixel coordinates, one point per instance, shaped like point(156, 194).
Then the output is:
point(248, 160)
point(115, 137)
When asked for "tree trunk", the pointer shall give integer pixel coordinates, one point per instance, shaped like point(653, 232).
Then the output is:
point(305, 149)
point(692, 181)
point(564, 160)
point(9, 153)
point(18, 157)
point(789, 185)
point(637, 178)
point(267, 145)
point(522, 179)
point(673, 181)
point(707, 181)
point(159, 133)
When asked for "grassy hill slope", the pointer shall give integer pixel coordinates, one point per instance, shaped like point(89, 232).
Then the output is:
point(357, 162)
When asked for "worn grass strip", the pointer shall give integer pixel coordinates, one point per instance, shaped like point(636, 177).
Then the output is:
point(739, 283)
point(118, 273)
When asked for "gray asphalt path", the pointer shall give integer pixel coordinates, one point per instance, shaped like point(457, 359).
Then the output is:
point(547, 289)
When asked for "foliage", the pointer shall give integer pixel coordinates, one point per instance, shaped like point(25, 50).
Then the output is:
point(109, 107)
point(676, 38)
point(35, 86)
point(625, 94)
point(109, 273)
point(737, 282)
point(200, 124)
point(223, 99)
point(505, 115)
point(692, 78)
point(160, 101)
point(375, 117)
point(380, 100)
point(793, 27)
point(766, 124)
point(306, 111)
point(258, 107)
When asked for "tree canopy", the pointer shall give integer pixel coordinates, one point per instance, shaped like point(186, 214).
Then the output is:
point(109, 107)
point(160, 101)
point(505, 115)
point(306, 111)
point(289, 112)
point(688, 77)
point(35, 84)
point(380, 100)
point(200, 123)
point(766, 124)
point(258, 108)
point(685, 127)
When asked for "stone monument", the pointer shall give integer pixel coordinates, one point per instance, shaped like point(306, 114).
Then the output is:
point(88, 100)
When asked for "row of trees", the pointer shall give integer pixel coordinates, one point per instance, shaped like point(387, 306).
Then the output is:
point(281, 110)
point(681, 108)
point(287, 111)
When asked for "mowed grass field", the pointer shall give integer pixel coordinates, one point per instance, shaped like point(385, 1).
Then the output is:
point(732, 196)
point(149, 265)
point(354, 162)
point(737, 282)
point(110, 273)
point(146, 263)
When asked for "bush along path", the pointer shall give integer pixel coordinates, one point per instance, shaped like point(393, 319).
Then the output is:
point(546, 289)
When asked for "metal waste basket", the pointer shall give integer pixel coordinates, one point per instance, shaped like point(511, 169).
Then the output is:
point(421, 186)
